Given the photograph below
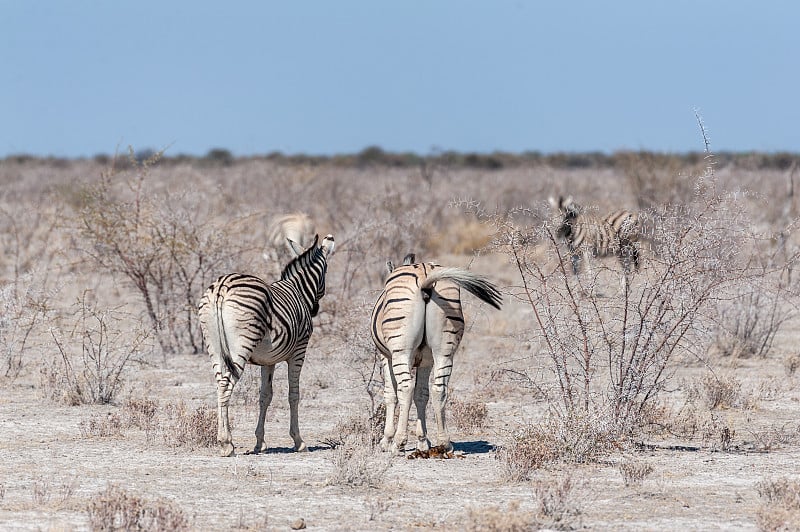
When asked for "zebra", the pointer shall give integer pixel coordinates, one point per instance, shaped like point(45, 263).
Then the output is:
point(243, 320)
point(588, 235)
point(287, 232)
point(417, 322)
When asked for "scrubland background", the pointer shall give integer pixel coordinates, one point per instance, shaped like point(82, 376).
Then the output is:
point(667, 402)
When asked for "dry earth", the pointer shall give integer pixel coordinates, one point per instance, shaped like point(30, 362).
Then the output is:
point(52, 469)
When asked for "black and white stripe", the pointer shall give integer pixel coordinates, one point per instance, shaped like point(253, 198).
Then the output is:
point(418, 322)
point(615, 234)
point(243, 320)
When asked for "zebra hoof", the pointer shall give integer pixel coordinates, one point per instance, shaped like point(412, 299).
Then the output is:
point(397, 450)
point(423, 444)
point(260, 448)
point(385, 445)
point(302, 448)
point(226, 449)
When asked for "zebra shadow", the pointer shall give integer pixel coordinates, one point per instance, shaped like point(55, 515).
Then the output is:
point(473, 447)
point(287, 450)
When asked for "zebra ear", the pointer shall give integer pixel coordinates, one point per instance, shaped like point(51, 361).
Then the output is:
point(409, 259)
point(296, 249)
point(389, 267)
point(327, 244)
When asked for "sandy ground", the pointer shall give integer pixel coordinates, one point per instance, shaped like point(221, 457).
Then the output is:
point(50, 473)
point(51, 470)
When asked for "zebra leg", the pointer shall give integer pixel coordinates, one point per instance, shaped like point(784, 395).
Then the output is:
point(390, 398)
point(264, 400)
point(225, 386)
point(441, 377)
point(576, 263)
point(421, 393)
point(295, 365)
point(401, 366)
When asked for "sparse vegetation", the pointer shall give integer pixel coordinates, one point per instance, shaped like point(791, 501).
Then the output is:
point(634, 471)
point(780, 509)
point(703, 360)
point(467, 416)
point(357, 462)
point(94, 353)
point(118, 509)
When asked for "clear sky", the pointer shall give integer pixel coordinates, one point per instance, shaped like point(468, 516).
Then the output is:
point(80, 77)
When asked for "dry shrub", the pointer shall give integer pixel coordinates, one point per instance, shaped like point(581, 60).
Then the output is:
point(369, 428)
point(722, 391)
point(117, 509)
point(751, 317)
point(165, 245)
point(497, 519)
point(356, 462)
point(774, 438)
point(556, 503)
point(634, 471)
point(182, 427)
point(780, 509)
point(108, 426)
point(555, 439)
point(140, 412)
point(103, 342)
point(23, 307)
point(692, 423)
point(467, 416)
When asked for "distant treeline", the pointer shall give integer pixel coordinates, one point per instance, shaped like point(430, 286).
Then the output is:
point(376, 156)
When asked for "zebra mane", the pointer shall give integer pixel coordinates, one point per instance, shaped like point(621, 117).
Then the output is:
point(309, 256)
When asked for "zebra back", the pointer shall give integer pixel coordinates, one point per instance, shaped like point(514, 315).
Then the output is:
point(286, 228)
point(613, 234)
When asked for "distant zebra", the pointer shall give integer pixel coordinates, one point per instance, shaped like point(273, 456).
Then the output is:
point(417, 322)
point(243, 320)
point(283, 230)
point(588, 235)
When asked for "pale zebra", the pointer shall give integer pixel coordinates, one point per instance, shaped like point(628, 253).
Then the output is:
point(417, 322)
point(243, 320)
point(591, 236)
point(285, 233)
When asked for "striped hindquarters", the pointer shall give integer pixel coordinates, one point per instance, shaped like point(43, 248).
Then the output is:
point(398, 318)
point(235, 309)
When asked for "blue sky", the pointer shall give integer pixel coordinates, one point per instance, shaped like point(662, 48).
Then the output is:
point(82, 77)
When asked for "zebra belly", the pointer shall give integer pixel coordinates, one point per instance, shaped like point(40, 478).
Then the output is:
point(264, 355)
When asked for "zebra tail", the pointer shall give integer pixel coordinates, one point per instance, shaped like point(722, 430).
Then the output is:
point(473, 283)
point(224, 347)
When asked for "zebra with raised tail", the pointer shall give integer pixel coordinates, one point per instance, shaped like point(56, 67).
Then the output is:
point(587, 235)
point(418, 322)
point(244, 319)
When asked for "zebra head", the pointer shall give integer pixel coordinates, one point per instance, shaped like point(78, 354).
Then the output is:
point(569, 211)
point(307, 271)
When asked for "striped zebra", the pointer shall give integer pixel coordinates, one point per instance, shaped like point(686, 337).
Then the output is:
point(591, 236)
point(243, 320)
point(285, 233)
point(417, 322)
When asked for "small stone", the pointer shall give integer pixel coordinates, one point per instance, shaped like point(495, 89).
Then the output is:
point(299, 524)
